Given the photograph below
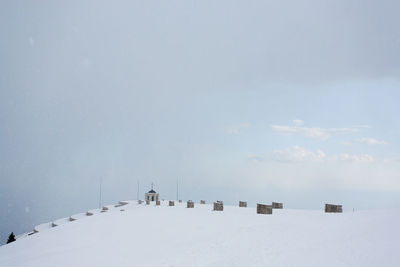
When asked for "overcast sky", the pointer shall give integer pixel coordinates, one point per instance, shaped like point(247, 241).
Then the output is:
point(292, 101)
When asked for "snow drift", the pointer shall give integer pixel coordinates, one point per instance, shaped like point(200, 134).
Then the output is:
point(140, 235)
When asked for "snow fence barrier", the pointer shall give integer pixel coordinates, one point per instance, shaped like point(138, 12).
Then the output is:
point(158, 202)
point(218, 206)
point(190, 204)
point(264, 209)
point(333, 208)
point(104, 209)
point(243, 204)
point(61, 221)
point(77, 216)
point(202, 202)
point(276, 205)
point(147, 202)
point(42, 227)
point(121, 203)
point(171, 203)
point(93, 212)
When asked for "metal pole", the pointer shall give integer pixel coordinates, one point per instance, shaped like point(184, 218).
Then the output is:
point(137, 196)
point(100, 194)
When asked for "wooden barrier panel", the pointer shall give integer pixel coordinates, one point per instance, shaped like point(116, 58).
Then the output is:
point(77, 216)
point(180, 200)
point(264, 209)
point(147, 202)
point(202, 202)
point(171, 203)
point(190, 204)
point(43, 226)
point(333, 208)
point(59, 222)
point(121, 203)
point(218, 206)
point(276, 205)
point(242, 204)
point(105, 209)
point(158, 203)
point(140, 201)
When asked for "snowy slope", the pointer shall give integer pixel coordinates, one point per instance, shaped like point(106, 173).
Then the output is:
point(141, 235)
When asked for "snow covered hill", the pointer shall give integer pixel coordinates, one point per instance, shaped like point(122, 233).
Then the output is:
point(140, 235)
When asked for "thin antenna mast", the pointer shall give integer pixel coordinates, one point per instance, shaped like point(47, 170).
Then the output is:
point(177, 190)
point(100, 194)
point(137, 196)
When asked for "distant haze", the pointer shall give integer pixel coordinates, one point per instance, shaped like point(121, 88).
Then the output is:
point(291, 101)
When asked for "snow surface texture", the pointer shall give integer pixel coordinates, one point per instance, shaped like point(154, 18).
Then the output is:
point(140, 235)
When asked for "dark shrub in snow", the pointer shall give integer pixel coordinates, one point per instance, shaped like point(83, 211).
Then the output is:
point(11, 238)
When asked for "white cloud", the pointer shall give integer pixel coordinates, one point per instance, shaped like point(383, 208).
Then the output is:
point(313, 132)
point(298, 122)
point(372, 141)
point(255, 157)
point(356, 158)
point(235, 129)
point(298, 154)
point(363, 126)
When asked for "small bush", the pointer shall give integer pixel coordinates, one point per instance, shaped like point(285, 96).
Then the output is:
point(11, 238)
